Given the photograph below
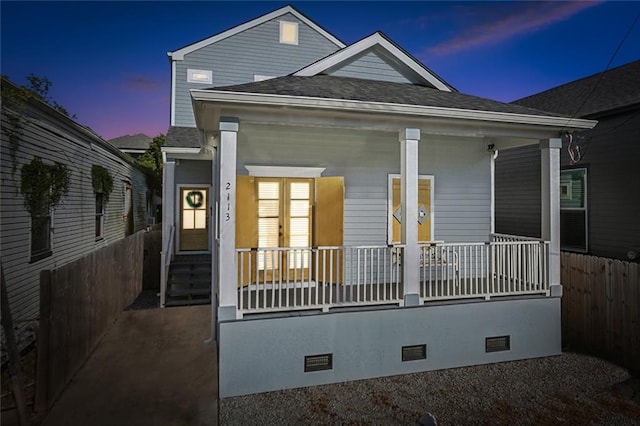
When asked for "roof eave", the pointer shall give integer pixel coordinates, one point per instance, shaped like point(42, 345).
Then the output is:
point(259, 99)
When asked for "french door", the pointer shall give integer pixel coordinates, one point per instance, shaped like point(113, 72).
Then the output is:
point(283, 217)
point(284, 221)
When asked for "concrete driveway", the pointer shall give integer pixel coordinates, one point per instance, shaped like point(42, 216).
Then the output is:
point(151, 368)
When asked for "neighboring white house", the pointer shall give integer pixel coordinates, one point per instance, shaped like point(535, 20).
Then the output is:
point(288, 161)
point(84, 220)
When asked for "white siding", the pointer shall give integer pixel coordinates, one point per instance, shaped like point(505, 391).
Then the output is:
point(54, 139)
point(461, 168)
point(238, 58)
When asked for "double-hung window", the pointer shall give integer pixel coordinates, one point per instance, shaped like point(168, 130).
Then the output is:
point(99, 215)
point(573, 210)
point(40, 237)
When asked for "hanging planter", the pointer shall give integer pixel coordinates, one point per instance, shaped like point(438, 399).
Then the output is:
point(101, 180)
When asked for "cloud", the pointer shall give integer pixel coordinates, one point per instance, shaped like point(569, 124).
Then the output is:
point(141, 83)
point(486, 26)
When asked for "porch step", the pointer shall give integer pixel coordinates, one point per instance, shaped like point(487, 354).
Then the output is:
point(189, 281)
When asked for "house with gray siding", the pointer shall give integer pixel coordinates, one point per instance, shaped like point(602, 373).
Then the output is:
point(84, 220)
point(134, 145)
point(599, 200)
point(335, 204)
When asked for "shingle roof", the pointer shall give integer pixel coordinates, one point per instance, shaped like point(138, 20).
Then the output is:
point(139, 141)
point(613, 89)
point(330, 87)
point(183, 137)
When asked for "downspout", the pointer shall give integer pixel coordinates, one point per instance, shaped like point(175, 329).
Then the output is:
point(491, 148)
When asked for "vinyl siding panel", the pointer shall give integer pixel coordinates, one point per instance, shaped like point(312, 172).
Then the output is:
point(373, 64)
point(461, 168)
point(238, 58)
point(611, 157)
point(73, 219)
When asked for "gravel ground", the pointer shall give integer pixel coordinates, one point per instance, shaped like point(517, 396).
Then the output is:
point(568, 389)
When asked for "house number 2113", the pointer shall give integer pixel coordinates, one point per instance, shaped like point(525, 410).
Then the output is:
point(227, 214)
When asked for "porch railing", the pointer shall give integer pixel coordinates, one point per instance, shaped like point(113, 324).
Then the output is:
point(285, 279)
point(282, 279)
point(501, 267)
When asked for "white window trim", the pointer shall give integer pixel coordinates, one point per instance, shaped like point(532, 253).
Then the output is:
point(285, 171)
point(390, 218)
point(282, 26)
point(584, 209)
point(191, 72)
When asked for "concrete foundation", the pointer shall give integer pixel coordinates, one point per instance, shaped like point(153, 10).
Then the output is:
point(260, 355)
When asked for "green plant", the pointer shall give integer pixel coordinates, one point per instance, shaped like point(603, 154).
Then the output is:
point(152, 160)
point(14, 104)
point(43, 185)
point(101, 180)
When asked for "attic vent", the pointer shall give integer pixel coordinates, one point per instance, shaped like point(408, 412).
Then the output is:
point(413, 353)
point(497, 344)
point(318, 362)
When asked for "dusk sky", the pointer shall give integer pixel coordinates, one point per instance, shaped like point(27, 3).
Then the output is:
point(108, 60)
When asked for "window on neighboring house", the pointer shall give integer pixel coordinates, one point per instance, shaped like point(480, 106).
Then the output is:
point(573, 210)
point(288, 32)
point(40, 237)
point(99, 215)
point(199, 76)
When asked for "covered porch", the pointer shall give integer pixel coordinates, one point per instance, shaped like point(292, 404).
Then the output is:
point(370, 264)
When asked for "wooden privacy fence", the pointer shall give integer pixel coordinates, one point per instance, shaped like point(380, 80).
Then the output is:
point(151, 268)
point(601, 308)
point(78, 302)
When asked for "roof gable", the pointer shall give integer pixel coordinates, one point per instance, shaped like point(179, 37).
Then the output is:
point(599, 93)
point(386, 50)
point(179, 54)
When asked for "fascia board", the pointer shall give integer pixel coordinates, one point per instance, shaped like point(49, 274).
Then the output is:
point(179, 54)
point(386, 108)
point(180, 150)
point(361, 46)
point(172, 111)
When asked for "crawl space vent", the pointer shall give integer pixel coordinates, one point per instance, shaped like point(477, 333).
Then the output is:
point(414, 353)
point(497, 344)
point(318, 362)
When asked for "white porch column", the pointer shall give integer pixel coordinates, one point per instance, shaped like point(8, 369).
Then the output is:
point(550, 160)
point(409, 200)
point(227, 281)
point(168, 220)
